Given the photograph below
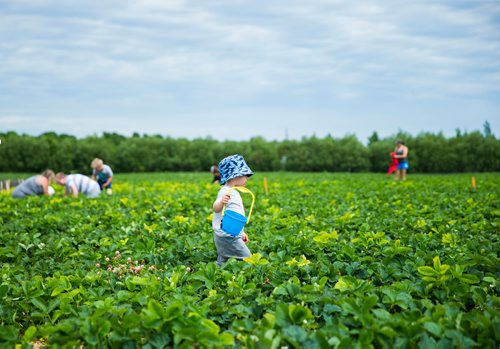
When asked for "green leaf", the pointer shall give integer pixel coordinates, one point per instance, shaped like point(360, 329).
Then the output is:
point(256, 259)
point(369, 302)
point(444, 269)
point(29, 333)
point(427, 271)
point(433, 328)
point(346, 283)
point(298, 313)
point(490, 280)
point(469, 278)
point(226, 339)
point(388, 331)
point(282, 317)
point(325, 238)
point(173, 311)
point(437, 263)
point(8, 333)
point(429, 279)
point(39, 304)
point(155, 308)
point(3, 290)
point(57, 291)
point(269, 320)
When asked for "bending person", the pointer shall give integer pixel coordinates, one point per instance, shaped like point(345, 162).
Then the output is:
point(78, 183)
point(36, 185)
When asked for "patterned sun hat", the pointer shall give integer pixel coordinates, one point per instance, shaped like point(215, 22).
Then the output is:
point(233, 166)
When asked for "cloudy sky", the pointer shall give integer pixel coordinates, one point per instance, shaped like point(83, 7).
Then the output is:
point(235, 69)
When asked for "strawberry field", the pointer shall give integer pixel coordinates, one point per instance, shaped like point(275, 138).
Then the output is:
point(339, 261)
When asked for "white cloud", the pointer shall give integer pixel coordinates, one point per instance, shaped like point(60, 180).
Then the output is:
point(160, 57)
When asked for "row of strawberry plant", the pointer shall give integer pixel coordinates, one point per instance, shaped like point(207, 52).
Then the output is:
point(338, 261)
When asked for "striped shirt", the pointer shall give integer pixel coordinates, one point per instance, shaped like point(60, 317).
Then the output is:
point(83, 184)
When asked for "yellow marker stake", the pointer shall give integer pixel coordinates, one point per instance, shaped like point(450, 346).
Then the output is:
point(265, 186)
point(473, 183)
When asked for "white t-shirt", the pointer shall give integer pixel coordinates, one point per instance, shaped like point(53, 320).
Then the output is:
point(235, 204)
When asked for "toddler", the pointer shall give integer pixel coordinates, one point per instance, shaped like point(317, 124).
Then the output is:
point(234, 172)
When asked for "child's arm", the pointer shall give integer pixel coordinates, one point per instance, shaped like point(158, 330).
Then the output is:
point(218, 204)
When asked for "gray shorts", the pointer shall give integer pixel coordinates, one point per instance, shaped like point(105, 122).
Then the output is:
point(230, 247)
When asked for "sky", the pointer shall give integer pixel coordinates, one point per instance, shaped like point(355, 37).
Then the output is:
point(237, 69)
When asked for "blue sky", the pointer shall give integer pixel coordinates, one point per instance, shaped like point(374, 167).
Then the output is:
point(237, 69)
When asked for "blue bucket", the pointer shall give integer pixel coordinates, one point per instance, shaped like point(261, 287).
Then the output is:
point(233, 222)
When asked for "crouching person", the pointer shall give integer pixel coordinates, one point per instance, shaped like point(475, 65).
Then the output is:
point(103, 174)
point(78, 183)
point(36, 185)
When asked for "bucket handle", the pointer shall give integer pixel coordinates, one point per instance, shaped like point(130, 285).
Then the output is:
point(243, 190)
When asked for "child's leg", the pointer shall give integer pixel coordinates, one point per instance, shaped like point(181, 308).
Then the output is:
point(230, 247)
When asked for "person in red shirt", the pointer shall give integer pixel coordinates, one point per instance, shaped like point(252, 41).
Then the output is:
point(394, 164)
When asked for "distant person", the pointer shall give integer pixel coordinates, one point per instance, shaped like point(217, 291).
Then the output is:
point(394, 164)
point(215, 171)
point(234, 172)
point(78, 183)
point(103, 174)
point(36, 185)
point(402, 155)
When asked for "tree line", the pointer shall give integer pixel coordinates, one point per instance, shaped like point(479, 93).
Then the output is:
point(428, 153)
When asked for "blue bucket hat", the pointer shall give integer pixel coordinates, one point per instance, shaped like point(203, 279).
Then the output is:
point(233, 166)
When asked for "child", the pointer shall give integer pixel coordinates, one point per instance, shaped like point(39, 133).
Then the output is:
point(234, 172)
point(103, 174)
point(394, 164)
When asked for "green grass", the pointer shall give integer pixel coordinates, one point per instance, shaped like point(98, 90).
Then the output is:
point(339, 260)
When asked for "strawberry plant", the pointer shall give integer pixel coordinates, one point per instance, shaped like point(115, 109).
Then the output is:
point(339, 260)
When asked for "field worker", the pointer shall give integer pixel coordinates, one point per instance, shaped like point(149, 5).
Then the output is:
point(103, 174)
point(215, 171)
point(36, 185)
point(402, 155)
point(78, 183)
point(234, 172)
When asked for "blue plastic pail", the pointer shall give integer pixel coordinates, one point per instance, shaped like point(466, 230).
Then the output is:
point(233, 222)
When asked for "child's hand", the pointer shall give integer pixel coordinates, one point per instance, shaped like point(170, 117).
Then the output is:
point(244, 237)
point(225, 198)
